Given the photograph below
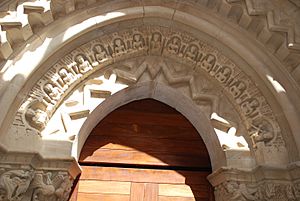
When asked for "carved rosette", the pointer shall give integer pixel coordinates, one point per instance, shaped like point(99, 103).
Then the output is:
point(71, 69)
point(33, 185)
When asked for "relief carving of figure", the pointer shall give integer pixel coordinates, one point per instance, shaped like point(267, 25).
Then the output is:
point(223, 74)
point(38, 117)
point(42, 186)
point(63, 187)
point(45, 187)
point(100, 52)
point(208, 62)
point(290, 193)
point(174, 45)
point(83, 64)
point(237, 89)
point(250, 107)
point(52, 91)
point(279, 192)
point(261, 130)
point(192, 53)
point(156, 41)
point(238, 192)
point(119, 47)
point(14, 184)
point(138, 42)
point(67, 77)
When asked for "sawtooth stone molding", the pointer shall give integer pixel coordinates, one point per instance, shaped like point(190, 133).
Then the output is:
point(257, 158)
point(197, 57)
point(273, 23)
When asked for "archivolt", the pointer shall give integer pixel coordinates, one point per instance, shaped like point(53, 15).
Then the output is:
point(132, 52)
point(255, 113)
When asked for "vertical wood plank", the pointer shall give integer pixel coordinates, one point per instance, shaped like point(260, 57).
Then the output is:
point(151, 192)
point(137, 191)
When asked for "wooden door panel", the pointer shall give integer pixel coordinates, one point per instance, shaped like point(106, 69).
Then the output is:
point(144, 175)
point(172, 198)
point(151, 192)
point(137, 191)
point(149, 118)
point(104, 187)
point(141, 158)
point(161, 145)
point(102, 197)
point(142, 184)
point(145, 130)
point(144, 151)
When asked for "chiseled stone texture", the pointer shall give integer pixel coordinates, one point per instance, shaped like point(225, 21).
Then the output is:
point(230, 66)
point(32, 185)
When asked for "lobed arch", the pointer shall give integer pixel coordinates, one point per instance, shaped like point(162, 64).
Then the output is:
point(276, 86)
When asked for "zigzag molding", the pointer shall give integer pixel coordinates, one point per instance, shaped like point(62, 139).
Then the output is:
point(133, 76)
point(272, 25)
point(156, 43)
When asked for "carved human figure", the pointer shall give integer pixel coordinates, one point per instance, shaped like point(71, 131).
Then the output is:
point(49, 187)
point(262, 130)
point(290, 193)
point(174, 45)
point(83, 64)
point(52, 91)
point(250, 107)
point(39, 118)
point(156, 41)
point(14, 183)
point(42, 186)
point(100, 52)
point(239, 192)
point(208, 62)
point(119, 46)
point(248, 193)
point(223, 74)
point(192, 53)
point(66, 76)
point(63, 187)
point(237, 88)
point(297, 190)
point(276, 192)
point(138, 42)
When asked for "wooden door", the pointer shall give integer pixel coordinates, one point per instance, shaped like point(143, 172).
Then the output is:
point(144, 151)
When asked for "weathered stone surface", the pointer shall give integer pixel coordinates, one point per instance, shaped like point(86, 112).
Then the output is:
point(230, 66)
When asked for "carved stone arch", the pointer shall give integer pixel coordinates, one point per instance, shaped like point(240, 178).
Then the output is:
point(237, 86)
point(283, 99)
point(164, 94)
point(281, 104)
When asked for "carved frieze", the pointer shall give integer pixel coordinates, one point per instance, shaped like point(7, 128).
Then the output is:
point(236, 191)
point(62, 77)
point(243, 191)
point(33, 185)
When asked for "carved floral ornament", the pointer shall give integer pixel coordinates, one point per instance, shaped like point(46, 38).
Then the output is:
point(49, 92)
point(34, 185)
